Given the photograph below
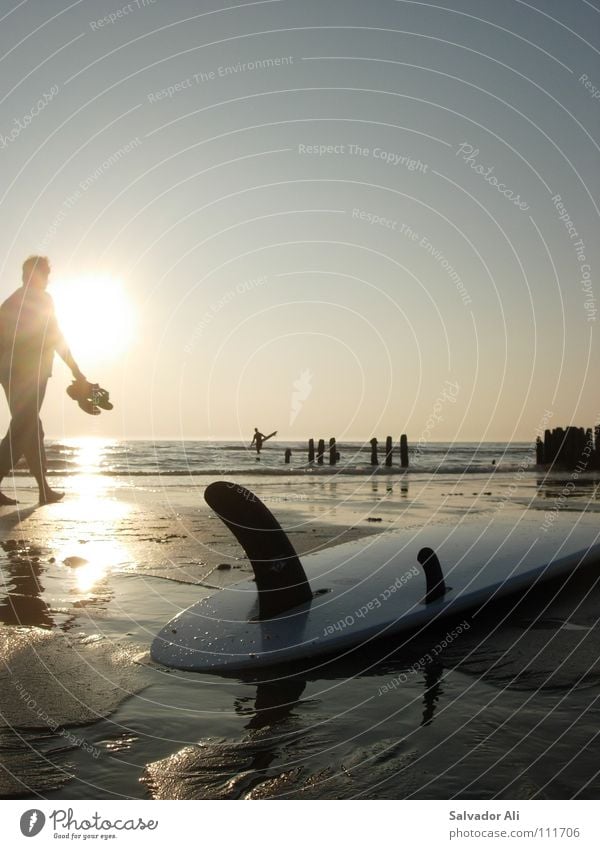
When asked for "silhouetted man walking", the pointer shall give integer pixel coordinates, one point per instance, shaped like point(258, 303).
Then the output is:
point(29, 336)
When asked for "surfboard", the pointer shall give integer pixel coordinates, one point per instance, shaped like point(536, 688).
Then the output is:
point(372, 588)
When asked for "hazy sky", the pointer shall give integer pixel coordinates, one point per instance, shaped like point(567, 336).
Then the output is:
point(328, 217)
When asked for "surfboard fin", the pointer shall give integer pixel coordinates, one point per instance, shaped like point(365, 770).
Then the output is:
point(436, 586)
point(280, 579)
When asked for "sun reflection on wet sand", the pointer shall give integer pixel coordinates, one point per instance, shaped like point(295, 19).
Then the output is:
point(101, 557)
point(95, 515)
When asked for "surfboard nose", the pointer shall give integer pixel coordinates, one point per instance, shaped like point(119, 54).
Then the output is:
point(280, 577)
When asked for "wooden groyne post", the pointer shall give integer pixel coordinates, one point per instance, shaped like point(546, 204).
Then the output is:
point(388, 450)
point(374, 460)
point(404, 451)
point(569, 448)
point(320, 451)
point(333, 452)
point(539, 451)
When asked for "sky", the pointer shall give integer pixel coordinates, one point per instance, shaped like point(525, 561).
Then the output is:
point(334, 218)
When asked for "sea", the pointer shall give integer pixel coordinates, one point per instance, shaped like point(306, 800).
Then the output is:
point(189, 458)
point(500, 704)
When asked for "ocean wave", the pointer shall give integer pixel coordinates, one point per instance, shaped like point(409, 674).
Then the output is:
point(324, 471)
point(171, 458)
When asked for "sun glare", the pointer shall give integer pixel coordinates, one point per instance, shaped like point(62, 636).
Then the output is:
point(95, 315)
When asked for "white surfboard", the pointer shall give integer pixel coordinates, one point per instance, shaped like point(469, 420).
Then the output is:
point(353, 593)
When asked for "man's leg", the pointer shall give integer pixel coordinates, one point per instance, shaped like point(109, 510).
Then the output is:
point(11, 447)
point(33, 446)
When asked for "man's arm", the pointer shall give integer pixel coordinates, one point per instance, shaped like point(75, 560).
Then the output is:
point(62, 349)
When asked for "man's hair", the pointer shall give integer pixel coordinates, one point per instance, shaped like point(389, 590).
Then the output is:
point(35, 263)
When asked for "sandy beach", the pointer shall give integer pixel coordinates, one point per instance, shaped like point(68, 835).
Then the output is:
point(507, 709)
point(343, 255)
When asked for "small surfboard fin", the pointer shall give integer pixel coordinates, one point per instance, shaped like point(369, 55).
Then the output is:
point(436, 586)
point(280, 578)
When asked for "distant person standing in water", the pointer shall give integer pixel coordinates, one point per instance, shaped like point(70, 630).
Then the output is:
point(29, 336)
point(259, 438)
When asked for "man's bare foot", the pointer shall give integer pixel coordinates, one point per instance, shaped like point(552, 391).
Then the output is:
point(5, 501)
point(50, 496)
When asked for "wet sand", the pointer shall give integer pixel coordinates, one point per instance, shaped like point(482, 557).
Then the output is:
point(508, 709)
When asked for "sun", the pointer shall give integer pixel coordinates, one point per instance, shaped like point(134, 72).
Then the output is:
point(96, 316)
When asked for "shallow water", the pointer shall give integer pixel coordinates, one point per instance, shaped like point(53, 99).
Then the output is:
point(140, 458)
point(508, 709)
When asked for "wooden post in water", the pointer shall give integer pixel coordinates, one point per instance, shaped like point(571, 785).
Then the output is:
point(575, 446)
point(404, 451)
point(311, 450)
point(539, 451)
point(320, 451)
point(333, 455)
point(570, 448)
point(580, 457)
point(388, 451)
point(588, 458)
point(558, 445)
point(374, 460)
point(547, 446)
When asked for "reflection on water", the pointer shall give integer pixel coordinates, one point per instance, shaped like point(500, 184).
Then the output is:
point(22, 589)
point(569, 487)
point(93, 503)
point(499, 713)
point(274, 702)
point(290, 746)
point(433, 691)
point(83, 533)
